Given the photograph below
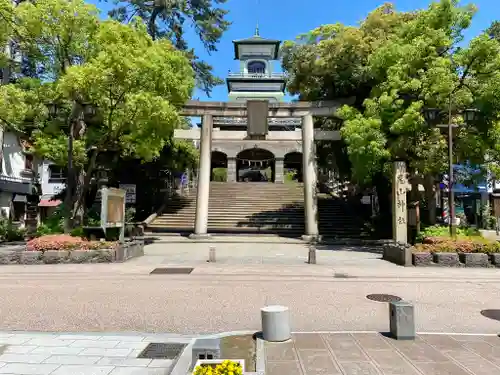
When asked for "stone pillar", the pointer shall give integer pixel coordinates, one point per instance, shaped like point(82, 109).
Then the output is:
point(231, 170)
point(310, 178)
point(399, 209)
point(279, 176)
point(201, 221)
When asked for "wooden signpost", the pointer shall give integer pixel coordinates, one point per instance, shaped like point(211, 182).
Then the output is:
point(113, 210)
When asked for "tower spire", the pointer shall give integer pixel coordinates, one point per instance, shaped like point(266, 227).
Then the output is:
point(257, 23)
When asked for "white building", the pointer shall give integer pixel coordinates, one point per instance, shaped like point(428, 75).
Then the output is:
point(17, 178)
point(52, 182)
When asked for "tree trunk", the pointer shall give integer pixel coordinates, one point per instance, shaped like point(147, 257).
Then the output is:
point(82, 188)
point(430, 197)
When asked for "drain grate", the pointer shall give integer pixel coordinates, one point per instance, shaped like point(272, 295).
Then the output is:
point(171, 271)
point(162, 351)
point(491, 314)
point(383, 298)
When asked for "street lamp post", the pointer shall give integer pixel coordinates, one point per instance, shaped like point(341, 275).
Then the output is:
point(432, 116)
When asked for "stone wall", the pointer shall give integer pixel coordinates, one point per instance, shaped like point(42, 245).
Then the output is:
point(19, 255)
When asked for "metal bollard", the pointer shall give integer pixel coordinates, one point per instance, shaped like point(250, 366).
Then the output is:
point(211, 254)
point(312, 254)
point(402, 320)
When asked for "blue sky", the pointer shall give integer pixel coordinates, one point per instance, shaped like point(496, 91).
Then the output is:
point(285, 19)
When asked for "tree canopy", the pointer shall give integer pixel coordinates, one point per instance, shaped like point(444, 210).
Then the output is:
point(115, 87)
point(396, 64)
point(172, 19)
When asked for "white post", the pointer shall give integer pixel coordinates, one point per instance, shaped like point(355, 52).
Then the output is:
point(310, 178)
point(201, 221)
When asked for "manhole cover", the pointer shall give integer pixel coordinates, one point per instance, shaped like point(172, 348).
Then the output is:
point(171, 271)
point(492, 314)
point(162, 351)
point(383, 298)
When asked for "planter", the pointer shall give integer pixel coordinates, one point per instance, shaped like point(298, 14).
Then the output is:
point(446, 259)
point(121, 253)
point(474, 259)
point(422, 259)
point(495, 259)
point(215, 362)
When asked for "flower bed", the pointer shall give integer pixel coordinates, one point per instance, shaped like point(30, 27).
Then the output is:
point(462, 252)
point(61, 248)
point(219, 367)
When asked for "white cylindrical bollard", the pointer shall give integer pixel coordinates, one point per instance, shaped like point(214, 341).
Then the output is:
point(275, 323)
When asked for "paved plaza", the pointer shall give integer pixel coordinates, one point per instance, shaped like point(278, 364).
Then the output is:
point(374, 354)
point(80, 354)
point(335, 353)
point(99, 299)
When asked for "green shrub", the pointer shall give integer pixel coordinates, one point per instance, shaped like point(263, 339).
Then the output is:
point(77, 232)
point(9, 232)
point(444, 231)
point(220, 174)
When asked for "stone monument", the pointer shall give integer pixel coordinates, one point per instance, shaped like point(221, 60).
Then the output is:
point(399, 209)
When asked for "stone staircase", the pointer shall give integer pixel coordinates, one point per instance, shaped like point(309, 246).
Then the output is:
point(258, 208)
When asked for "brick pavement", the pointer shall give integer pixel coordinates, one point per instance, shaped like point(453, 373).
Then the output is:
point(80, 354)
point(375, 354)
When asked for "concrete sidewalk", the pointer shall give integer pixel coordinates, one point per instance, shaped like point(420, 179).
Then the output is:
point(374, 354)
point(326, 353)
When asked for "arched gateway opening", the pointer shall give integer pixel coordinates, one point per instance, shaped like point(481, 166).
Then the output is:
point(292, 165)
point(255, 165)
point(218, 171)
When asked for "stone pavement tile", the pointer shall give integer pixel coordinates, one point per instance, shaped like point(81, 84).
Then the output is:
point(161, 363)
point(473, 362)
point(442, 342)
point(359, 368)
point(280, 351)
point(72, 360)
point(94, 344)
point(138, 371)
point(56, 350)
point(371, 341)
point(77, 336)
point(344, 347)
point(132, 345)
point(28, 369)
point(19, 349)
point(23, 358)
point(134, 353)
point(485, 350)
point(492, 340)
point(317, 362)
point(434, 368)
point(115, 361)
point(420, 352)
point(282, 368)
point(104, 352)
point(308, 341)
point(13, 340)
point(82, 370)
point(468, 338)
point(123, 338)
point(42, 341)
point(391, 362)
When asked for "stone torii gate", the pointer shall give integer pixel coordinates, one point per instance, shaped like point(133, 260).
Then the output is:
point(304, 110)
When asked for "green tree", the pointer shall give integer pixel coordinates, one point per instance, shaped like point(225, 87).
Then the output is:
point(133, 85)
point(170, 19)
point(396, 64)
